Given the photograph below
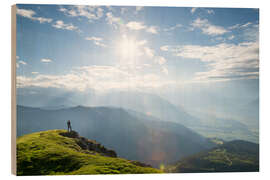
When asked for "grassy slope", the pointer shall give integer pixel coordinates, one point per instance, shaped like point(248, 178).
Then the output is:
point(47, 152)
point(230, 157)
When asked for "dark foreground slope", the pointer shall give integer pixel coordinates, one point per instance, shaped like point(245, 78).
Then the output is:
point(133, 137)
point(58, 152)
point(234, 156)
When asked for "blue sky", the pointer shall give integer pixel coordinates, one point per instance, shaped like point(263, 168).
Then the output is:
point(152, 49)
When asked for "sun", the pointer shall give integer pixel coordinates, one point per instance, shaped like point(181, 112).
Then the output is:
point(128, 49)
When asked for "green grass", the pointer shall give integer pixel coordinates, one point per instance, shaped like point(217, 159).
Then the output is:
point(49, 153)
point(217, 160)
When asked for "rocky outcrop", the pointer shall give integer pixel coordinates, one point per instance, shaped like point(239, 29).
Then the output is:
point(138, 163)
point(89, 145)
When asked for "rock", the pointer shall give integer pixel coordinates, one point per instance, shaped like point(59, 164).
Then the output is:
point(137, 163)
point(111, 153)
point(89, 145)
point(72, 134)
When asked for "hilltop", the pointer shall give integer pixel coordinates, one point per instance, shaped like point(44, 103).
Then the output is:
point(233, 156)
point(59, 152)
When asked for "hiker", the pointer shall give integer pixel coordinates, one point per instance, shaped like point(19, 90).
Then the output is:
point(69, 126)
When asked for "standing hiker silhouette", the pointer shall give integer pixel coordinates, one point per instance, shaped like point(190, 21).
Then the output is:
point(69, 126)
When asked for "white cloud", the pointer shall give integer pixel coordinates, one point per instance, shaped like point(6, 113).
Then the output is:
point(100, 78)
point(27, 13)
point(139, 8)
point(113, 20)
point(61, 25)
point(208, 28)
point(142, 42)
point(240, 26)
point(131, 49)
point(17, 57)
point(22, 62)
point(173, 27)
point(141, 48)
point(89, 12)
point(42, 20)
point(219, 38)
point(165, 70)
point(123, 10)
point(224, 61)
point(193, 10)
point(93, 38)
point(152, 29)
point(251, 33)
point(164, 48)
point(46, 60)
point(231, 37)
point(210, 11)
point(97, 41)
point(236, 26)
point(246, 25)
point(160, 60)
point(62, 9)
point(149, 52)
point(117, 23)
point(134, 25)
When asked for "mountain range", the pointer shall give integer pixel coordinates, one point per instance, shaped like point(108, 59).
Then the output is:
point(202, 121)
point(132, 135)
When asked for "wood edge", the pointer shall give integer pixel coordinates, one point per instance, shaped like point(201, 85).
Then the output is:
point(13, 90)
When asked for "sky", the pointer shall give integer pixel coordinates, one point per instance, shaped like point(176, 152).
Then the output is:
point(163, 50)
